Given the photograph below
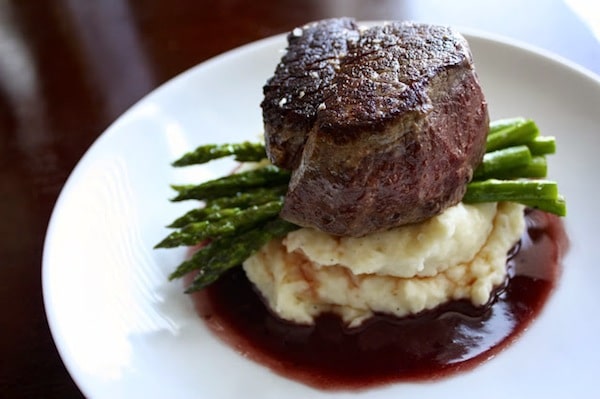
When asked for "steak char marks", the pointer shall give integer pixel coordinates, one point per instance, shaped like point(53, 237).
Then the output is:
point(381, 127)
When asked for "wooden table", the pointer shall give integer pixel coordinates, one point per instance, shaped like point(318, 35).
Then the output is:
point(68, 68)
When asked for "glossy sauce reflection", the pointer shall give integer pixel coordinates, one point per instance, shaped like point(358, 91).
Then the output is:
point(435, 344)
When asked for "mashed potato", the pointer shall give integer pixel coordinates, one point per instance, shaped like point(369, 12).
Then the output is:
point(459, 254)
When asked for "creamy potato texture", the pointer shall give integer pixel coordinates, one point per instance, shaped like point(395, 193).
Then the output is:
point(459, 254)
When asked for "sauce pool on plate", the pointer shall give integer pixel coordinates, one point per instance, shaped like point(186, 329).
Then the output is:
point(434, 344)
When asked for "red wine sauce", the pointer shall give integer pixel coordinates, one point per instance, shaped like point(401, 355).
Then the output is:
point(434, 344)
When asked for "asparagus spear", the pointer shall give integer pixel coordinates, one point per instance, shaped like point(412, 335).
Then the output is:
point(557, 206)
point(521, 132)
point(229, 206)
point(537, 168)
point(495, 162)
point(227, 252)
point(542, 145)
point(194, 233)
point(206, 214)
point(244, 152)
point(493, 190)
point(500, 124)
point(250, 197)
point(230, 185)
point(199, 258)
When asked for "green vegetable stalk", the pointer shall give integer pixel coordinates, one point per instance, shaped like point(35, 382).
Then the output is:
point(236, 222)
point(225, 253)
point(243, 152)
point(233, 184)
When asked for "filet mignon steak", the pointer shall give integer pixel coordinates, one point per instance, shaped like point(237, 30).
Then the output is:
point(381, 127)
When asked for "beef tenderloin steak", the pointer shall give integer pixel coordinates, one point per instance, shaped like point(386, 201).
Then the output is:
point(381, 127)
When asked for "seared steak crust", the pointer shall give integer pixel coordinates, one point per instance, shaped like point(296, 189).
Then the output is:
point(293, 94)
point(390, 134)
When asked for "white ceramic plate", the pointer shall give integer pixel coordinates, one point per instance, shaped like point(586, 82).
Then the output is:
point(123, 331)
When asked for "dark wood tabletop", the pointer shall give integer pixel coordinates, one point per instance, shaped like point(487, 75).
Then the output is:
point(68, 68)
